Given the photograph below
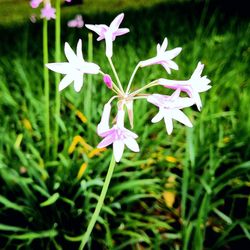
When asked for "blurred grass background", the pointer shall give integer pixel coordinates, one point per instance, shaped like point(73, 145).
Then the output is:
point(189, 190)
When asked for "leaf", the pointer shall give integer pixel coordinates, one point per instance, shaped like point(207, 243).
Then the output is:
point(52, 199)
point(9, 204)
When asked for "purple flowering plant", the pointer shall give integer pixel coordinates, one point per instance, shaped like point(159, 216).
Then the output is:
point(115, 133)
point(170, 107)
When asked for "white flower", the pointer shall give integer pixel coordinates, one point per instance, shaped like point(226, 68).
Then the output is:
point(109, 33)
point(163, 57)
point(74, 69)
point(118, 135)
point(169, 109)
point(192, 86)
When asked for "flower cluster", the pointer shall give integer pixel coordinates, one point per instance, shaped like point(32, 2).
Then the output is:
point(170, 107)
point(47, 11)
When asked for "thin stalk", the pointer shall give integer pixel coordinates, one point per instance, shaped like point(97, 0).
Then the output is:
point(57, 76)
point(115, 73)
point(99, 203)
point(149, 85)
point(46, 87)
point(88, 102)
point(132, 77)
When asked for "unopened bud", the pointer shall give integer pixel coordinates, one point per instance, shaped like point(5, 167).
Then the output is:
point(107, 80)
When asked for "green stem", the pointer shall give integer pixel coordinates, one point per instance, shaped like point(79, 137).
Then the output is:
point(88, 102)
point(149, 85)
point(99, 204)
point(132, 77)
point(115, 73)
point(57, 76)
point(46, 87)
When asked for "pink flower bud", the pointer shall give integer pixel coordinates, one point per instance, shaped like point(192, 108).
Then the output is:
point(35, 3)
point(107, 80)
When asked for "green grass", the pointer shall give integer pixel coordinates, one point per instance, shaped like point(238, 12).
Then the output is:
point(43, 205)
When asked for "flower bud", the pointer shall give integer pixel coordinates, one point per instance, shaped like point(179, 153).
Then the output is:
point(107, 80)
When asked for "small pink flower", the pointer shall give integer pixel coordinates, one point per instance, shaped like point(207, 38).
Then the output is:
point(164, 57)
point(169, 109)
point(48, 12)
point(108, 81)
point(77, 22)
point(118, 135)
point(68, 1)
point(35, 3)
point(192, 87)
point(109, 33)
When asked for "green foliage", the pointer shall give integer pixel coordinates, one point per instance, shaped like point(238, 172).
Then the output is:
point(46, 203)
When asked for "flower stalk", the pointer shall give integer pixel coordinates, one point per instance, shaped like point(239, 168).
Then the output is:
point(115, 74)
point(46, 88)
point(57, 76)
point(99, 204)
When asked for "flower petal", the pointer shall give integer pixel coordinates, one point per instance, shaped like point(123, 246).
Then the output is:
point(179, 116)
point(121, 32)
point(116, 22)
point(62, 68)
point(164, 45)
point(106, 141)
point(70, 54)
point(170, 54)
point(65, 82)
point(78, 82)
point(166, 67)
point(118, 148)
point(79, 49)
point(131, 144)
point(198, 70)
point(172, 65)
point(90, 68)
point(95, 28)
point(169, 124)
point(130, 133)
point(158, 117)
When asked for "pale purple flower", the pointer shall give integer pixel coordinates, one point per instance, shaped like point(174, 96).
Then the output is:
point(192, 87)
point(35, 3)
point(118, 135)
point(68, 1)
point(108, 81)
point(109, 33)
point(74, 69)
point(48, 12)
point(77, 22)
point(163, 57)
point(169, 109)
